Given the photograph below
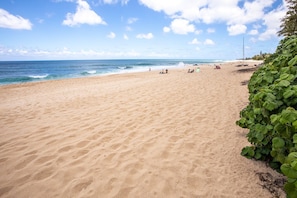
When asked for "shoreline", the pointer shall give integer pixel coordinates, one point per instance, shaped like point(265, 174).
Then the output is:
point(129, 135)
point(157, 69)
point(15, 72)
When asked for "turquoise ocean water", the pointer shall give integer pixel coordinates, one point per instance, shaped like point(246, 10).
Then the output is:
point(12, 72)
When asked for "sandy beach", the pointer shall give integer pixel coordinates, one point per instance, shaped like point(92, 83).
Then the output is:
point(129, 135)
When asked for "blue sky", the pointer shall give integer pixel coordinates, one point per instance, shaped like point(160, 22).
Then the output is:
point(125, 29)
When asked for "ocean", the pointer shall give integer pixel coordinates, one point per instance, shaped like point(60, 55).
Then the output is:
point(13, 72)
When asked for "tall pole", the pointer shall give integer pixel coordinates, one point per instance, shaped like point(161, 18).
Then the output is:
point(243, 50)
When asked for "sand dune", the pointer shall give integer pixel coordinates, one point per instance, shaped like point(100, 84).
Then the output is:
point(129, 135)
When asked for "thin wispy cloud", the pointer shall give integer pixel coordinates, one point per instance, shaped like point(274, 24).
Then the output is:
point(111, 35)
point(208, 42)
point(125, 37)
point(211, 30)
point(145, 36)
point(132, 20)
point(194, 42)
point(123, 2)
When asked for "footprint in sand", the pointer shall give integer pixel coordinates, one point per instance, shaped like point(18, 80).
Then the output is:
point(44, 159)
point(80, 153)
point(25, 162)
point(65, 149)
point(83, 185)
point(4, 190)
point(43, 174)
point(82, 144)
point(3, 159)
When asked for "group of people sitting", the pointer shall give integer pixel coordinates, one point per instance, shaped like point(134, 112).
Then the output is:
point(193, 70)
point(164, 72)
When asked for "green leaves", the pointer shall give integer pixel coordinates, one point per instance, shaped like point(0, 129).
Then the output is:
point(248, 152)
point(288, 116)
point(289, 171)
point(270, 105)
point(284, 83)
point(278, 142)
point(293, 61)
point(289, 168)
point(271, 115)
point(294, 124)
point(288, 93)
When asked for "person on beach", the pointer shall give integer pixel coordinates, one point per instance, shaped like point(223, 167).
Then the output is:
point(190, 71)
point(162, 72)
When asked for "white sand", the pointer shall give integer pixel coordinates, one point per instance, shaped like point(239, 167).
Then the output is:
point(128, 135)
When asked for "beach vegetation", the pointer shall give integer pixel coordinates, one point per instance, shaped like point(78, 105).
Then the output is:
point(271, 115)
point(261, 56)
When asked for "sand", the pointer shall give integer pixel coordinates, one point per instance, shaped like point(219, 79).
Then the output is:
point(129, 135)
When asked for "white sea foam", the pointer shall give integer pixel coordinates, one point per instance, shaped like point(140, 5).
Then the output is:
point(38, 76)
point(92, 72)
point(181, 64)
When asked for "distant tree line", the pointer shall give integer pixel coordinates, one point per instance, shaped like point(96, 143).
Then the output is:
point(261, 56)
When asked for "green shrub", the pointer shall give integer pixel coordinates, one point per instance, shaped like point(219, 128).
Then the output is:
point(271, 115)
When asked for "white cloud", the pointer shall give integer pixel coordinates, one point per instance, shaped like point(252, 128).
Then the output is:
point(111, 35)
point(182, 26)
point(128, 28)
point(132, 20)
point(10, 21)
point(211, 30)
point(126, 37)
point(198, 31)
point(210, 11)
point(208, 42)
point(272, 21)
point(124, 2)
point(253, 32)
point(174, 6)
point(267, 34)
point(236, 29)
point(158, 54)
point(166, 29)
point(83, 15)
point(110, 1)
point(145, 36)
point(65, 53)
point(222, 11)
point(256, 26)
point(254, 10)
point(22, 51)
point(236, 14)
point(194, 42)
